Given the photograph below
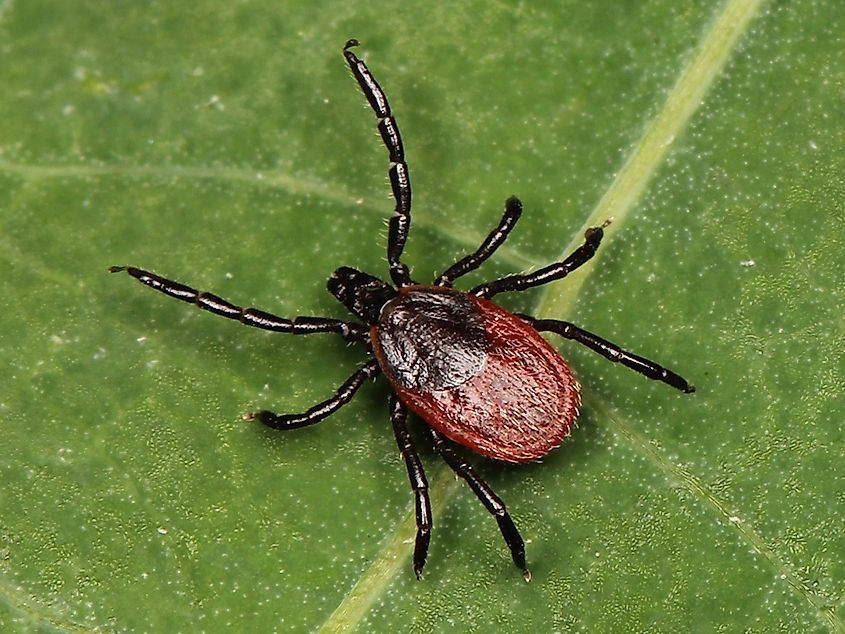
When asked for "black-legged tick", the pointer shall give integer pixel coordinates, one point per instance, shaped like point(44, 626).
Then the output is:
point(476, 374)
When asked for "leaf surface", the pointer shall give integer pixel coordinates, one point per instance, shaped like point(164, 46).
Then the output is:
point(226, 146)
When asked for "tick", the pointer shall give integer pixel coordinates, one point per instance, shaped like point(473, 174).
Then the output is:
point(476, 374)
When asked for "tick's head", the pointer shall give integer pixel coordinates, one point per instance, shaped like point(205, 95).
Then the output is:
point(362, 294)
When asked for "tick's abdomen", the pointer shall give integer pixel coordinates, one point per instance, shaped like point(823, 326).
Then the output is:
point(476, 373)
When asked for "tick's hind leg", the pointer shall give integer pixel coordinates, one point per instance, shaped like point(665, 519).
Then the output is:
point(556, 271)
point(322, 410)
point(249, 316)
point(611, 351)
point(497, 237)
point(419, 484)
point(491, 501)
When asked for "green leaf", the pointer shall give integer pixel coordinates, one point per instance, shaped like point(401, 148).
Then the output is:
point(225, 145)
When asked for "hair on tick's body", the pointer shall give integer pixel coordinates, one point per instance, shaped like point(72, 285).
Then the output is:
point(476, 374)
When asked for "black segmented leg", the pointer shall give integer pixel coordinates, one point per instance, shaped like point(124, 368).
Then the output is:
point(491, 501)
point(320, 411)
point(592, 239)
point(611, 351)
point(249, 316)
point(400, 180)
point(497, 237)
point(419, 484)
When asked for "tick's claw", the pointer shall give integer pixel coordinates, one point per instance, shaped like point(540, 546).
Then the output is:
point(592, 230)
point(263, 416)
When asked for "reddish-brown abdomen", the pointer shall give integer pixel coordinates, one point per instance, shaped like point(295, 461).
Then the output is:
point(519, 405)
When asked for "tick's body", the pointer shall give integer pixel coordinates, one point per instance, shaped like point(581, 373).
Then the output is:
point(475, 373)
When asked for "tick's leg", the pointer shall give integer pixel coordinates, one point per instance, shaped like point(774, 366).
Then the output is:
point(419, 484)
point(592, 239)
point(322, 410)
point(513, 210)
point(400, 180)
point(491, 501)
point(611, 351)
point(249, 316)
